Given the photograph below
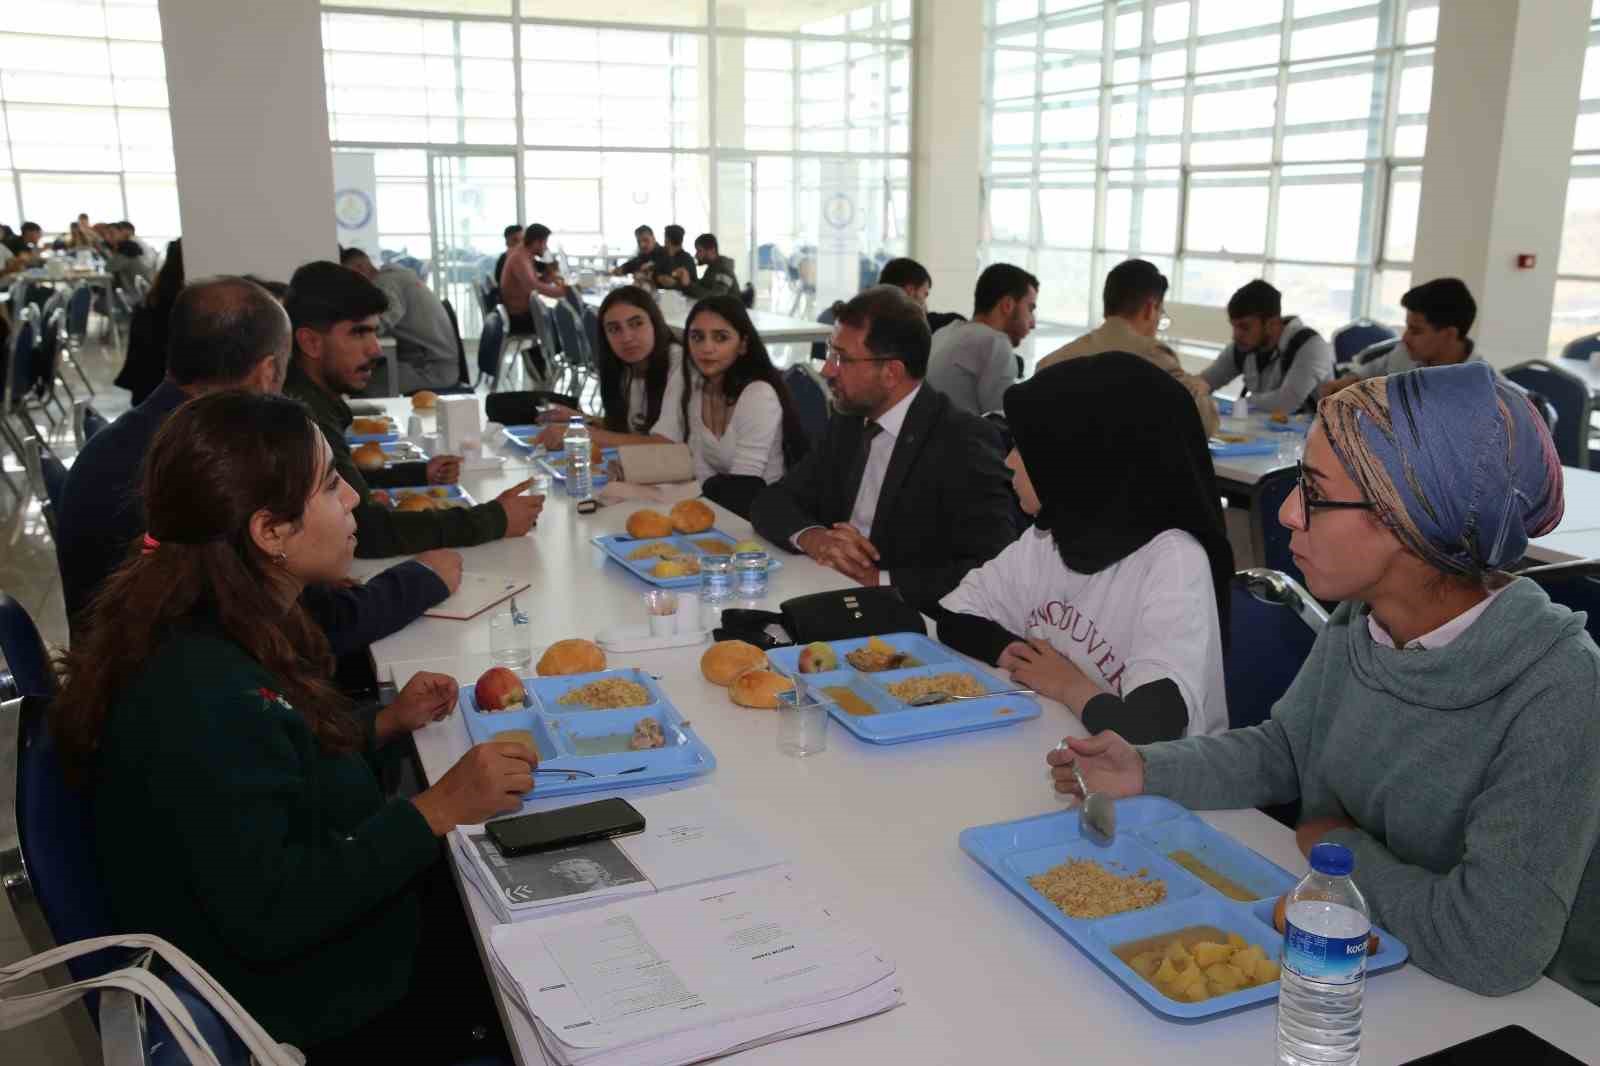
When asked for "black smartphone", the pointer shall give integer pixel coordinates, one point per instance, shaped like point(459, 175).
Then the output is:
point(548, 830)
point(1512, 1043)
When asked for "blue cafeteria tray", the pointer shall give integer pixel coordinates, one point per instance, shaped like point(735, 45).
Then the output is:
point(893, 721)
point(402, 451)
point(575, 737)
point(619, 546)
point(453, 495)
point(1235, 449)
point(558, 470)
point(1148, 828)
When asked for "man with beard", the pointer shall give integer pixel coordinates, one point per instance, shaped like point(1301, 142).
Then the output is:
point(905, 489)
point(334, 313)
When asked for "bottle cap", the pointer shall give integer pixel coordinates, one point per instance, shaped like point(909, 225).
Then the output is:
point(1333, 860)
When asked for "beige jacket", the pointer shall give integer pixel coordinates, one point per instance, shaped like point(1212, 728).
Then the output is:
point(1117, 335)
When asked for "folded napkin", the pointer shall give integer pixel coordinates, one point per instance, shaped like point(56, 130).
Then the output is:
point(653, 464)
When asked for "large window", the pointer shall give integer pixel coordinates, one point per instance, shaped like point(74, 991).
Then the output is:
point(1221, 139)
point(744, 119)
point(1577, 303)
point(83, 116)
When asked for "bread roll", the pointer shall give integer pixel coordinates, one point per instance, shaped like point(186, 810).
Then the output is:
point(647, 523)
point(369, 426)
point(424, 400)
point(416, 503)
point(572, 656)
point(759, 688)
point(368, 457)
point(727, 659)
point(692, 516)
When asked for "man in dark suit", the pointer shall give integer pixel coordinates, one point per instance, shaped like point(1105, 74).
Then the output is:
point(904, 489)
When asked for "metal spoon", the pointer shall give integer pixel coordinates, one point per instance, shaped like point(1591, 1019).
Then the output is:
point(928, 699)
point(1097, 814)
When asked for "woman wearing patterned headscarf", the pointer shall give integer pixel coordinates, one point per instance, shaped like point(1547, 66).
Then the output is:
point(1444, 727)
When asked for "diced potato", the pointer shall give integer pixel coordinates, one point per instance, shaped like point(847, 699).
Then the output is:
point(1195, 993)
point(1146, 964)
point(1166, 973)
point(1216, 988)
point(1192, 978)
point(1247, 958)
point(1237, 941)
point(1266, 971)
point(1225, 976)
point(1176, 950)
point(1207, 954)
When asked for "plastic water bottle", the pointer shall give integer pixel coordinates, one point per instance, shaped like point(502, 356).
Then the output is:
point(575, 445)
point(1324, 964)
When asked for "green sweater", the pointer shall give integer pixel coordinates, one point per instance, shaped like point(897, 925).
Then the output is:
point(1472, 770)
point(381, 532)
point(221, 826)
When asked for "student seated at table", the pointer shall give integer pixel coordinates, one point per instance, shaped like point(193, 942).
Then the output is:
point(234, 794)
point(525, 276)
point(720, 276)
point(513, 236)
point(736, 413)
point(1443, 727)
point(973, 363)
point(1133, 298)
point(1438, 315)
point(904, 489)
point(651, 257)
point(913, 278)
point(1115, 602)
point(638, 363)
point(226, 333)
point(335, 314)
point(426, 345)
point(676, 268)
point(145, 365)
point(1282, 360)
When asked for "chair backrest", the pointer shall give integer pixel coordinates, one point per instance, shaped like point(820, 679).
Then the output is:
point(570, 330)
point(1266, 647)
point(1266, 530)
point(1352, 338)
point(463, 373)
point(24, 650)
point(47, 477)
point(810, 403)
point(541, 326)
point(24, 345)
point(1569, 395)
point(56, 836)
point(1582, 347)
point(47, 357)
point(58, 298)
point(484, 289)
point(78, 308)
point(490, 341)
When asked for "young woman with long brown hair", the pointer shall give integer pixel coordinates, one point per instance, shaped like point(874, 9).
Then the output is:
point(234, 794)
point(638, 361)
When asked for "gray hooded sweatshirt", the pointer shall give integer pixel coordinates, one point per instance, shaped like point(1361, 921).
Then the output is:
point(1472, 770)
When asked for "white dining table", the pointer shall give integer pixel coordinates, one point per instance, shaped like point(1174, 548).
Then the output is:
point(985, 980)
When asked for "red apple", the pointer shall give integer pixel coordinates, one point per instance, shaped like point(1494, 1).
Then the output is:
point(499, 690)
point(817, 658)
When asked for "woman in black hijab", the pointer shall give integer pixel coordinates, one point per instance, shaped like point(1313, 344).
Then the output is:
point(1116, 601)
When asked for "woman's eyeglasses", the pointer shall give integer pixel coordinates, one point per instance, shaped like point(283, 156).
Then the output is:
point(1310, 502)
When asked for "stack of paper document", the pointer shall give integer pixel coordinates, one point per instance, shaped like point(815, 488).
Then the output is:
point(689, 837)
point(690, 974)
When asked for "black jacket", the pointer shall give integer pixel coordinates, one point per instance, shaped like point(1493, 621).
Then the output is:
point(101, 516)
point(945, 506)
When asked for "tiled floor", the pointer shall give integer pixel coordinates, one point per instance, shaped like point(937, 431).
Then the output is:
point(28, 573)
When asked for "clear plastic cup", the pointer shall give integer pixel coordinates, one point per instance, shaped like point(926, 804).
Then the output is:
point(802, 724)
point(662, 607)
point(716, 578)
point(511, 640)
point(750, 574)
